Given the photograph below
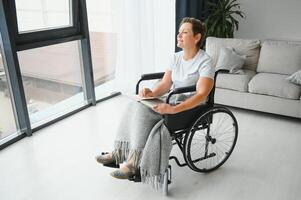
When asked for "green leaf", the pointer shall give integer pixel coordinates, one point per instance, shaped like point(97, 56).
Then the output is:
point(221, 21)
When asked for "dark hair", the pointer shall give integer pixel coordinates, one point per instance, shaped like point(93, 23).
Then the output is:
point(197, 27)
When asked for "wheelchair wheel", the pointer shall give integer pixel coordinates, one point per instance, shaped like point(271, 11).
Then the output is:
point(210, 140)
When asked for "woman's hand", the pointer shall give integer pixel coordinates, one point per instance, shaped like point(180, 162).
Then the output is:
point(164, 108)
point(146, 92)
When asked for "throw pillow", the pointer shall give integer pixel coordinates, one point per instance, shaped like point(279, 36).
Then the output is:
point(295, 77)
point(230, 60)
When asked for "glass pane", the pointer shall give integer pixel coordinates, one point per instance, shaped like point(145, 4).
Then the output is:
point(52, 78)
point(103, 39)
point(7, 119)
point(43, 14)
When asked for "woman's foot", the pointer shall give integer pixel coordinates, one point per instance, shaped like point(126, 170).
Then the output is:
point(125, 172)
point(105, 158)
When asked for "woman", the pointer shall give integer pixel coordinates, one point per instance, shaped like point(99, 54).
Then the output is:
point(192, 66)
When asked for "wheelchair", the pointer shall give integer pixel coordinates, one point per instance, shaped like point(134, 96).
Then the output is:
point(206, 134)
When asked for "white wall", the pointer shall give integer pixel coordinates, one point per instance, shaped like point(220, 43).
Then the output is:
point(270, 19)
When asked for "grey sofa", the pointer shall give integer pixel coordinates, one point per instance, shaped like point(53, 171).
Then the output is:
point(262, 84)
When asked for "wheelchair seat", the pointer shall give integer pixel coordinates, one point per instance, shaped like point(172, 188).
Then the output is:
point(183, 120)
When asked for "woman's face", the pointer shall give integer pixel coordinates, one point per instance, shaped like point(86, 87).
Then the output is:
point(186, 38)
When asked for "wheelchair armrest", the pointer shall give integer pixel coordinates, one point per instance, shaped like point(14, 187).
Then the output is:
point(180, 91)
point(184, 89)
point(193, 87)
point(151, 76)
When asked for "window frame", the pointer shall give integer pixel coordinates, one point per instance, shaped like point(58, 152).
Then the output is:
point(45, 37)
point(13, 41)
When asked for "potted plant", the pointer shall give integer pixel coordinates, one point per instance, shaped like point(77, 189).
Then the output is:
point(220, 21)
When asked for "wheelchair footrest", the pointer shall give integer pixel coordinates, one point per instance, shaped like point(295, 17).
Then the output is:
point(136, 177)
point(112, 165)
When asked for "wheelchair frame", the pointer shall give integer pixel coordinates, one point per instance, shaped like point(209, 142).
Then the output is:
point(185, 126)
point(180, 126)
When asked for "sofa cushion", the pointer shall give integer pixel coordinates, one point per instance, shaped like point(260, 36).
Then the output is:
point(238, 82)
point(230, 60)
point(274, 85)
point(295, 77)
point(250, 48)
point(281, 57)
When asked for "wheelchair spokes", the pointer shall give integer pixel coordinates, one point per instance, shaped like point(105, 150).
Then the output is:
point(211, 140)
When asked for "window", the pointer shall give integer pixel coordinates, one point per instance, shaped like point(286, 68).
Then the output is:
point(43, 14)
point(49, 67)
point(8, 125)
point(52, 79)
point(103, 38)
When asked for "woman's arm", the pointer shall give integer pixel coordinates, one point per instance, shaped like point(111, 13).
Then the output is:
point(203, 88)
point(161, 88)
point(164, 85)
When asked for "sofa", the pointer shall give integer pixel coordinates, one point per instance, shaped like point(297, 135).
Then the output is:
point(262, 83)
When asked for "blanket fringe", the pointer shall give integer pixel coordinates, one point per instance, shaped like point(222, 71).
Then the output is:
point(122, 152)
point(156, 181)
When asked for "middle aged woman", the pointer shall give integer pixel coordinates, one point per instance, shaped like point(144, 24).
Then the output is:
point(191, 66)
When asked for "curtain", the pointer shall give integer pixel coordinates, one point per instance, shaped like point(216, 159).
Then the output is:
point(145, 39)
point(190, 8)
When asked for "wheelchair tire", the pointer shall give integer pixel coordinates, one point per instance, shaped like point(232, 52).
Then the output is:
point(211, 139)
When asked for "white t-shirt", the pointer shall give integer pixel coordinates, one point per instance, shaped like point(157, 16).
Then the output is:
point(187, 73)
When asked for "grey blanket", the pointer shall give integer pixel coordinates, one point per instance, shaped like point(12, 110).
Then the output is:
point(143, 139)
point(154, 161)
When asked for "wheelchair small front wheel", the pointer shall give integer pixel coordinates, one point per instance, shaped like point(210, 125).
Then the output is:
point(211, 140)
